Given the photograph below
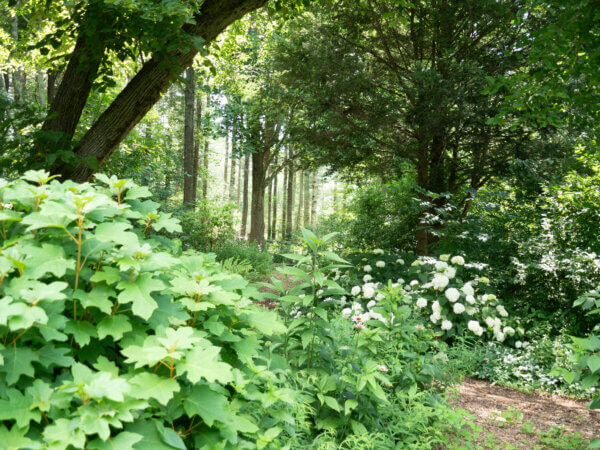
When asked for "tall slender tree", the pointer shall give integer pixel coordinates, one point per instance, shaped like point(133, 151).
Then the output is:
point(190, 174)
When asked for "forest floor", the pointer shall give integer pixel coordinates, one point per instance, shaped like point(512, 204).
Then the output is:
point(509, 418)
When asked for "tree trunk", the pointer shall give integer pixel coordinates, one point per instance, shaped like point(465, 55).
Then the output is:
point(198, 135)
point(273, 234)
point(245, 195)
point(146, 87)
point(284, 199)
point(290, 198)
point(232, 170)
point(315, 194)
point(189, 176)
point(239, 183)
point(306, 183)
point(41, 89)
point(269, 205)
point(51, 87)
point(72, 93)
point(205, 155)
point(226, 164)
point(299, 215)
point(257, 210)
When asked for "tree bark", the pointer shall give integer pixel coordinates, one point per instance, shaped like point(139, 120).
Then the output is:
point(189, 175)
point(269, 205)
point(245, 195)
point(51, 87)
point(226, 164)
point(314, 199)
point(41, 89)
point(232, 169)
point(257, 210)
point(198, 136)
point(273, 234)
point(284, 198)
point(146, 87)
point(205, 155)
point(72, 93)
point(299, 215)
point(306, 183)
point(290, 197)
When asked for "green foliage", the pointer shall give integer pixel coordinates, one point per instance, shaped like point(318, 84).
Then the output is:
point(258, 262)
point(379, 215)
point(207, 227)
point(586, 351)
point(111, 337)
point(540, 247)
point(348, 371)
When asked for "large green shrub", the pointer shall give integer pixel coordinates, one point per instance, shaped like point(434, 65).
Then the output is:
point(207, 227)
point(110, 339)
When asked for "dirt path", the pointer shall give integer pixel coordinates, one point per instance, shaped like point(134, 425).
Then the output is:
point(513, 419)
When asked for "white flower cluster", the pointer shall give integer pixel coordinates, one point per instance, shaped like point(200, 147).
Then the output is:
point(460, 304)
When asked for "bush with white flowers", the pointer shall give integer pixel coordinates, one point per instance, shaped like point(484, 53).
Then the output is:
point(455, 304)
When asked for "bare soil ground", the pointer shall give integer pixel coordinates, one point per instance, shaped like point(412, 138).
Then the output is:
point(513, 419)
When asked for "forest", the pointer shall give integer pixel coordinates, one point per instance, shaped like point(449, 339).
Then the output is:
point(299, 224)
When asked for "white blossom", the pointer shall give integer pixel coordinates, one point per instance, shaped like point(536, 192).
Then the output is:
point(474, 326)
point(470, 299)
point(444, 257)
point(435, 307)
point(440, 282)
point(346, 312)
point(458, 260)
point(501, 311)
point(368, 291)
point(441, 265)
point(458, 308)
point(484, 280)
point(421, 302)
point(367, 268)
point(371, 304)
point(435, 317)
point(446, 325)
point(380, 264)
point(414, 282)
point(450, 272)
point(452, 294)
point(468, 289)
point(400, 261)
point(378, 251)
point(379, 296)
point(355, 291)
point(367, 278)
point(382, 368)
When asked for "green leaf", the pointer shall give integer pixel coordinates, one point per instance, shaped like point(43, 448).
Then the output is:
point(115, 326)
point(17, 362)
point(138, 292)
point(202, 362)
point(151, 438)
point(48, 258)
point(146, 385)
point(108, 274)
point(18, 408)
point(593, 362)
point(349, 406)
point(116, 232)
point(14, 439)
point(170, 437)
point(61, 434)
point(81, 331)
point(98, 297)
point(207, 404)
point(265, 321)
point(125, 440)
point(167, 222)
point(40, 394)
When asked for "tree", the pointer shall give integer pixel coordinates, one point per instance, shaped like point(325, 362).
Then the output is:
point(190, 158)
point(388, 90)
point(101, 29)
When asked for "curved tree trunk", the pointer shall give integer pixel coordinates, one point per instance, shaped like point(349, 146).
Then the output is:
point(146, 87)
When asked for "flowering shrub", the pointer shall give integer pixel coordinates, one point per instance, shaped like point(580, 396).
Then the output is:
point(439, 290)
point(347, 365)
point(455, 305)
